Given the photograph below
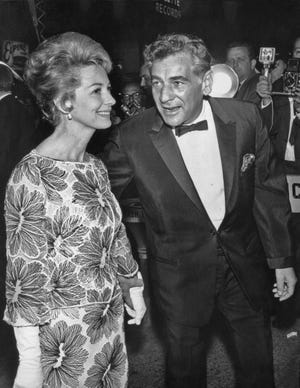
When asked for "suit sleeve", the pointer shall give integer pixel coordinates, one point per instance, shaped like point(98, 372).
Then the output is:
point(119, 170)
point(268, 115)
point(271, 205)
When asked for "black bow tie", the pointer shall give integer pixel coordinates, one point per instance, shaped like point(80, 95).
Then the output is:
point(182, 129)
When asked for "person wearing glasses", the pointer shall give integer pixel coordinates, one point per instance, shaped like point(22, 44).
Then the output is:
point(131, 99)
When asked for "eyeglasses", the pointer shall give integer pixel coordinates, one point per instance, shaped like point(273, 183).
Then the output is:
point(133, 96)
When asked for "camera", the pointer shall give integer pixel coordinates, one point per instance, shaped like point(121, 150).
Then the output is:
point(291, 76)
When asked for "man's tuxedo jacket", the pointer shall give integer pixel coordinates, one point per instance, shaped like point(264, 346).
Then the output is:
point(182, 238)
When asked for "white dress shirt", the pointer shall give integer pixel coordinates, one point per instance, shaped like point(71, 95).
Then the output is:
point(290, 149)
point(201, 155)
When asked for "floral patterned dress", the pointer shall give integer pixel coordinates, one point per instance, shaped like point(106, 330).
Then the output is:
point(66, 246)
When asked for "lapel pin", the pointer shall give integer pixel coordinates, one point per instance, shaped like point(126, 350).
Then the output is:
point(248, 160)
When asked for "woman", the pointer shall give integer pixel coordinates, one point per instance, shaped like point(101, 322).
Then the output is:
point(68, 255)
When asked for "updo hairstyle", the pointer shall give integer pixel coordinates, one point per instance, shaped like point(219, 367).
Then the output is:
point(53, 69)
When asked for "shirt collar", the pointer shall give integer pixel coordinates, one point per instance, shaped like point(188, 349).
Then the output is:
point(202, 114)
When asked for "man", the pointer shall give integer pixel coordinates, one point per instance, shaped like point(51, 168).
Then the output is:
point(145, 83)
point(241, 57)
point(209, 197)
point(296, 48)
point(285, 135)
point(132, 100)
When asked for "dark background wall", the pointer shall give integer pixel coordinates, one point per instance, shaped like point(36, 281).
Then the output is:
point(125, 26)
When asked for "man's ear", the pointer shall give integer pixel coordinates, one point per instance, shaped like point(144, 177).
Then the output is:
point(207, 83)
point(253, 64)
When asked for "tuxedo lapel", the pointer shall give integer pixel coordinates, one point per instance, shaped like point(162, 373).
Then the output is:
point(226, 133)
point(167, 147)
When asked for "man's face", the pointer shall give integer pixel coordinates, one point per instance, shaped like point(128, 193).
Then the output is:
point(145, 78)
point(238, 58)
point(176, 89)
point(296, 51)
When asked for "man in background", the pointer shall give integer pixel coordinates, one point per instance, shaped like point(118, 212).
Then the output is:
point(241, 57)
point(145, 83)
point(284, 112)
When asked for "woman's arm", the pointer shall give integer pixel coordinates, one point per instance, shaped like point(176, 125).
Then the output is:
point(26, 247)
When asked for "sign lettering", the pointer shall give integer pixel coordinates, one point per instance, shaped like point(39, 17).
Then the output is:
point(170, 8)
point(294, 192)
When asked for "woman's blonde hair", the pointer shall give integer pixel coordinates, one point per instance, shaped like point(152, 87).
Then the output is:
point(54, 68)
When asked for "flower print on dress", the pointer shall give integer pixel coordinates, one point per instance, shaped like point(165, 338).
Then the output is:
point(53, 178)
point(121, 254)
point(89, 192)
point(101, 172)
point(25, 292)
point(63, 354)
point(25, 222)
point(110, 367)
point(63, 285)
point(27, 167)
point(93, 260)
point(103, 319)
point(64, 232)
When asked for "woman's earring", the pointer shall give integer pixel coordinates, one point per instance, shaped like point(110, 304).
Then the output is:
point(69, 116)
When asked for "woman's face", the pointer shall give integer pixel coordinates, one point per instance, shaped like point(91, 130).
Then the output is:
point(93, 100)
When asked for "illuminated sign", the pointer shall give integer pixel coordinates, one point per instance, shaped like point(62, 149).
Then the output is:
point(170, 8)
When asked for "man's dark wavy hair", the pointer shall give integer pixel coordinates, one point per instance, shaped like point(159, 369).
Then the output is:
point(172, 44)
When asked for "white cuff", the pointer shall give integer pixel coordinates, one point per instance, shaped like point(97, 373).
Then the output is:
point(29, 373)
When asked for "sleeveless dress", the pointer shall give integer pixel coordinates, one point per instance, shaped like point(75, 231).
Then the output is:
point(66, 246)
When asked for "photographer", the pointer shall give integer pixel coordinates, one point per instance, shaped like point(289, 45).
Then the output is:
point(285, 110)
point(284, 107)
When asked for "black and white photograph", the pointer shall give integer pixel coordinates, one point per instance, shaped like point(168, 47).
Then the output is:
point(149, 194)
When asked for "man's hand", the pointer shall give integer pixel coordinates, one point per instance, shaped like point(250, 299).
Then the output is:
point(285, 283)
point(264, 87)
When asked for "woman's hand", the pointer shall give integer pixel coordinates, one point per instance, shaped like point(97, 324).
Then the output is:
point(139, 307)
point(132, 289)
